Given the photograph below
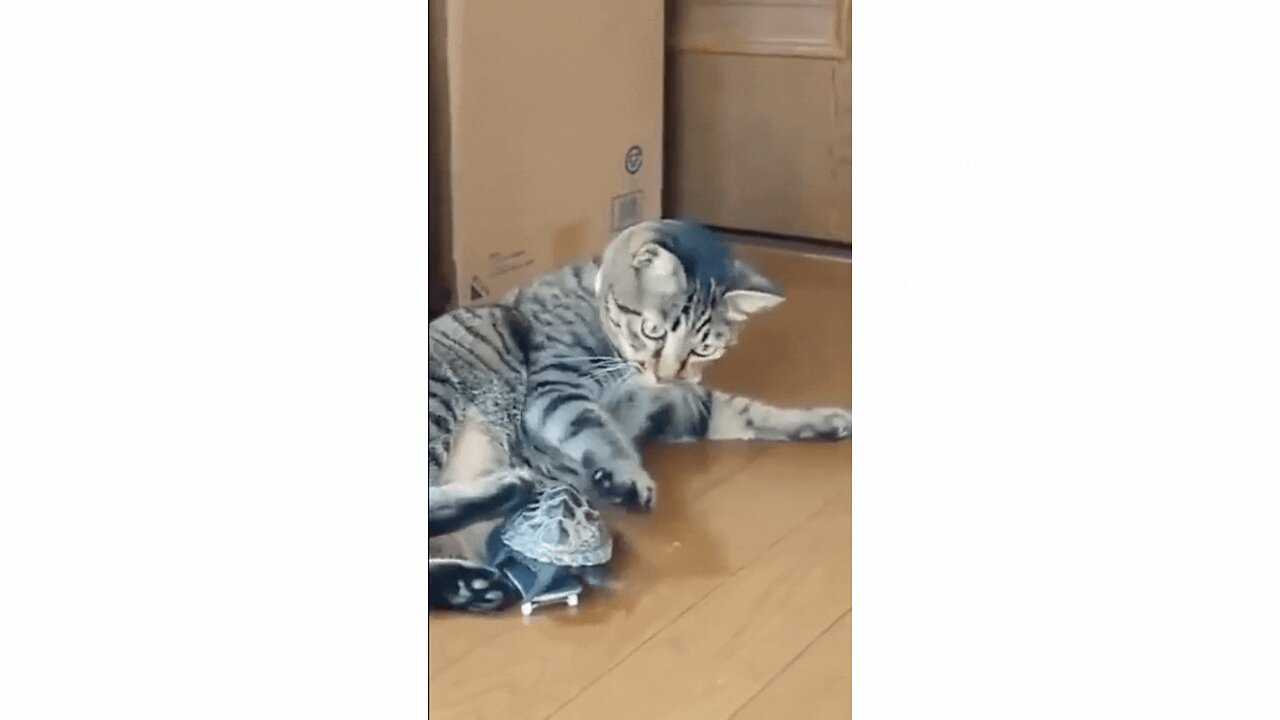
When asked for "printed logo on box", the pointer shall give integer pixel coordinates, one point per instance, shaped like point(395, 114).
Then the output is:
point(634, 159)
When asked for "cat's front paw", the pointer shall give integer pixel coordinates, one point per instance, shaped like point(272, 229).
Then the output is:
point(626, 483)
point(516, 491)
point(826, 424)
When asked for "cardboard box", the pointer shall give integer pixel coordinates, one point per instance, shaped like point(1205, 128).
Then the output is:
point(546, 134)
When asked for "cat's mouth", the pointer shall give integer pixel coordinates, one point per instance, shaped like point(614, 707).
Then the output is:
point(646, 374)
point(648, 378)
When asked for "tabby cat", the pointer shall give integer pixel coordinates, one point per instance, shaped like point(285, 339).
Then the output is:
point(568, 374)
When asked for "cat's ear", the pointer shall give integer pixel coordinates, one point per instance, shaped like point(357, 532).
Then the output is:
point(742, 304)
point(659, 267)
point(750, 293)
point(651, 256)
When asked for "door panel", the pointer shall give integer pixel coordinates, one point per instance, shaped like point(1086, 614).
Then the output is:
point(758, 109)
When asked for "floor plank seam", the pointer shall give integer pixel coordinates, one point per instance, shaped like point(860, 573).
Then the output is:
point(789, 663)
point(686, 610)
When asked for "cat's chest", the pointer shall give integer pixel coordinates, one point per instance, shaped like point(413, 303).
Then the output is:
point(628, 406)
point(624, 398)
point(631, 405)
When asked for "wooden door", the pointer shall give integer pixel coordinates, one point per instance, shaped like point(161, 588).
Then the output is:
point(758, 110)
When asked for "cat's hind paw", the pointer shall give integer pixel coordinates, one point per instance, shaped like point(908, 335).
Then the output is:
point(462, 585)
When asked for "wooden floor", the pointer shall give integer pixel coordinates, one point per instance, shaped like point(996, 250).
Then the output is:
point(733, 597)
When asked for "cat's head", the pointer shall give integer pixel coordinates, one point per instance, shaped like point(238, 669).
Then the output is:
point(672, 298)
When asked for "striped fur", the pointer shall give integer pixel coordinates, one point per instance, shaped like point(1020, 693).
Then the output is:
point(482, 464)
point(619, 345)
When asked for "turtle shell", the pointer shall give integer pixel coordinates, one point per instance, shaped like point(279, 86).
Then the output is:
point(559, 527)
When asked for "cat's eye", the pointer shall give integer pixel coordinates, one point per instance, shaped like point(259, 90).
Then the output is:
point(706, 349)
point(652, 330)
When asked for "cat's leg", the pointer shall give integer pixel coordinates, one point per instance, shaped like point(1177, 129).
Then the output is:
point(583, 430)
point(733, 417)
point(453, 507)
point(461, 585)
point(713, 415)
